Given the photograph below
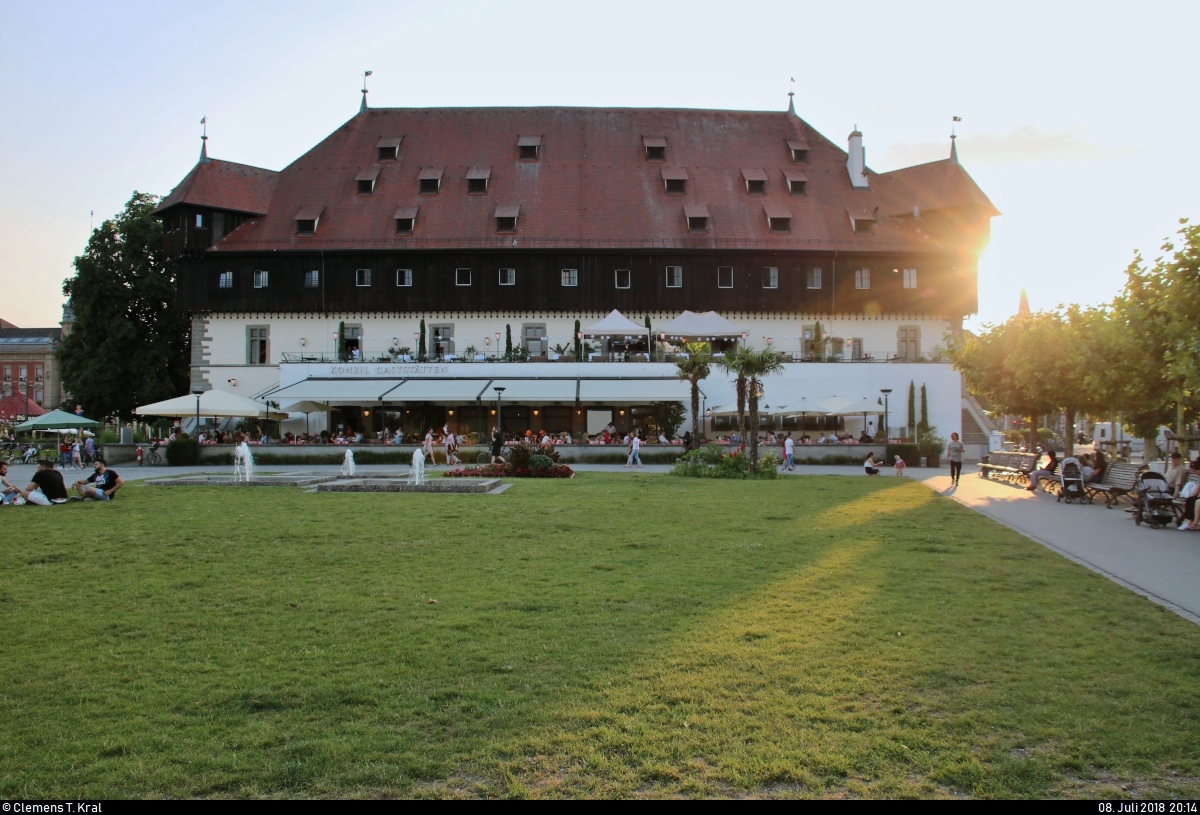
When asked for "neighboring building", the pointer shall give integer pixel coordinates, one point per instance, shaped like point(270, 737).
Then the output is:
point(485, 220)
point(29, 362)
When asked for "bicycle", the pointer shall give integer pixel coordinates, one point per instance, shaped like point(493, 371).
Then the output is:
point(153, 457)
point(486, 456)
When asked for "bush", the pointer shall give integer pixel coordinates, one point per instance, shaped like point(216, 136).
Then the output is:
point(509, 471)
point(540, 464)
point(911, 454)
point(183, 452)
point(712, 462)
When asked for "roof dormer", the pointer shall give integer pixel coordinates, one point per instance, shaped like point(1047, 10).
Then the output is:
point(529, 148)
point(756, 180)
point(697, 217)
point(798, 149)
point(863, 221)
point(477, 180)
point(655, 147)
point(388, 149)
point(674, 180)
point(366, 180)
point(429, 180)
point(308, 218)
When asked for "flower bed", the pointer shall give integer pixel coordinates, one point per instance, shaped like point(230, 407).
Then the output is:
point(508, 471)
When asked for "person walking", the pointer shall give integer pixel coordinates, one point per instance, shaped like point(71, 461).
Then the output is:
point(497, 445)
point(76, 455)
point(635, 445)
point(427, 448)
point(789, 453)
point(954, 452)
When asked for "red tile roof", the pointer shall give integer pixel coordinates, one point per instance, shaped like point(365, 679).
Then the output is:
point(592, 186)
point(224, 185)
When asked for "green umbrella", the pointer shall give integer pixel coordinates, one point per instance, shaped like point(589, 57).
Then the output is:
point(56, 420)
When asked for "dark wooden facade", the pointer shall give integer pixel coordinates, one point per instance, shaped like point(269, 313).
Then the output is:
point(946, 284)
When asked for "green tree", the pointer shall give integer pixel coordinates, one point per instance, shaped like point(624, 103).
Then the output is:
point(912, 409)
point(341, 341)
point(129, 346)
point(421, 347)
point(923, 425)
point(735, 362)
point(758, 365)
point(578, 344)
point(694, 369)
point(508, 354)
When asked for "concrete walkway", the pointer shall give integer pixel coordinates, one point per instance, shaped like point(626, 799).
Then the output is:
point(1160, 564)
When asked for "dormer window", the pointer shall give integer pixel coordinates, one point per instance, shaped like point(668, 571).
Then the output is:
point(797, 182)
point(307, 219)
point(675, 180)
point(863, 221)
point(389, 149)
point(799, 150)
point(406, 219)
point(529, 148)
point(779, 219)
point(756, 180)
point(655, 147)
point(506, 217)
point(697, 217)
point(366, 180)
point(477, 179)
point(430, 179)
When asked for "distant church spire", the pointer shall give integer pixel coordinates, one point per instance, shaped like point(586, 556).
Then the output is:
point(954, 141)
point(1023, 306)
point(792, 97)
point(204, 140)
point(363, 106)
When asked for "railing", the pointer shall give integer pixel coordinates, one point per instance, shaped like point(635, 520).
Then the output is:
point(294, 358)
point(317, 241)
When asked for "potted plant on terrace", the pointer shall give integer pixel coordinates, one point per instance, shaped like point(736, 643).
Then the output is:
point(931, 446)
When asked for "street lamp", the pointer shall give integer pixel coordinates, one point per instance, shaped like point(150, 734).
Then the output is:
point(197, 395)
point(499, 414)
point(886, 417)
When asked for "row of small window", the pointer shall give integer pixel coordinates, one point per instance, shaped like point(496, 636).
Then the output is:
point(529, 148)
point(622, 279)
point(23, 373)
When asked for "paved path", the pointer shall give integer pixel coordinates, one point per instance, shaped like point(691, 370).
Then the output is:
point(1161, 564)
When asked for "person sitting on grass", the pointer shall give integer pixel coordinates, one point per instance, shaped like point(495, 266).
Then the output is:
point(1046, 472)
point(871, 466)
point(100, 485)
point(8, 491)
point(47, 487)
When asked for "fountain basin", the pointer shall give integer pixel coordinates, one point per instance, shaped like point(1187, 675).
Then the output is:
point(442, 485)
point(283, 480)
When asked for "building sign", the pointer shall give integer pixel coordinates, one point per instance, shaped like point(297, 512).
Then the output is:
point(387, 370)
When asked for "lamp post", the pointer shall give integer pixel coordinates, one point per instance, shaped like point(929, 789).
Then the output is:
point(886, 417)
point(197, 395)
point(499, 412)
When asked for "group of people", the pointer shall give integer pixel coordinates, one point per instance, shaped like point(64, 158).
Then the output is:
point(1180, 486)
point(1093, 467)
point(47, 487)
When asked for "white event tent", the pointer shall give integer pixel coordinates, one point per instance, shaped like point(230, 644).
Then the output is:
point(211, 404)
point(706, 326)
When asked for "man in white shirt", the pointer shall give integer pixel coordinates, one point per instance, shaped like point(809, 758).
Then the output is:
point(789, 451)
point(635, 444)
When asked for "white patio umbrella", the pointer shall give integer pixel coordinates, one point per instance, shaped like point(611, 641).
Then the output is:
point(306, 407)
point(213, 404)
point(863, 406)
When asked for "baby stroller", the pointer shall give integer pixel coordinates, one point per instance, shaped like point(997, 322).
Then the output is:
point(1070, 487)
point(1153, 503)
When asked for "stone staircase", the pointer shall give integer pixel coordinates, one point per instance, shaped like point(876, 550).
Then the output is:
point(972, 432)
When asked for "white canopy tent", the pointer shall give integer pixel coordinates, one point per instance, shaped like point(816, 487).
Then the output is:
point(706, 326)
point(211, 405)
point(615, 324)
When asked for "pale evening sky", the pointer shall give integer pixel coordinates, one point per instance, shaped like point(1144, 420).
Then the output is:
point(1077, 121)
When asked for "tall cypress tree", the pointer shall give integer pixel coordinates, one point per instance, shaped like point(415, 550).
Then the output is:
point(421, 342)
point(912, 409)
point(578, 343)
point(924, 425)
point(508, 341)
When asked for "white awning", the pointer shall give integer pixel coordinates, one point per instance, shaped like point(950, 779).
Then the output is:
point(537, 390)
point(354, 391)
point(635, 390)
point(615, 324)
point(441, 390)
point(690, 325)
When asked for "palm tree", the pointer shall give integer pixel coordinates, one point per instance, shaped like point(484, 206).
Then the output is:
point(734, 362)
point(693, 369)
point(758, 364)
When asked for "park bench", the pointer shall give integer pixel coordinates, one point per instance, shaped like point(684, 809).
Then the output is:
point(1009, 466)
point(1118, 483)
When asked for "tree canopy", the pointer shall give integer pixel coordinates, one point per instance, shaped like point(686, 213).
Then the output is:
point(128, 346)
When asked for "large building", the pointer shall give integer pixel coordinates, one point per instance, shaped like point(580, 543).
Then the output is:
point(480, 223)
point(29, 362)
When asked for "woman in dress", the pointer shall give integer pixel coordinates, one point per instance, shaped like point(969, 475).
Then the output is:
point(427, 448)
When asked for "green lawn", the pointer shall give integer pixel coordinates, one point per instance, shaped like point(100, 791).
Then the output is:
point(617, 634)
